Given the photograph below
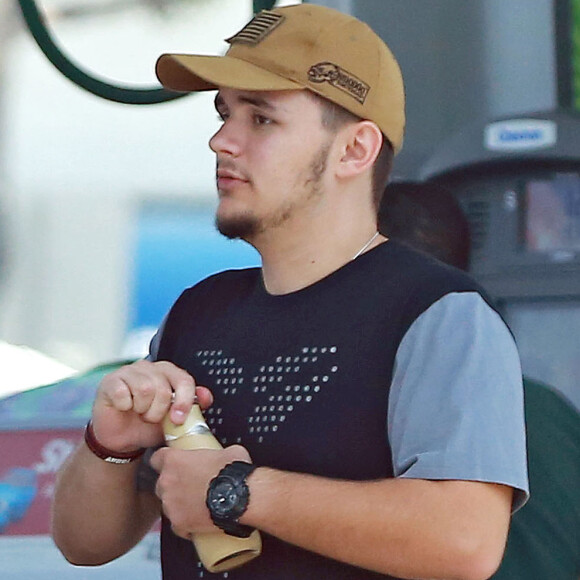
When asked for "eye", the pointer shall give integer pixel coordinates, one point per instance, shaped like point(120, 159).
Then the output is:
point(260, 119)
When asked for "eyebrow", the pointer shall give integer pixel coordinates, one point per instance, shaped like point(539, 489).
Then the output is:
point(248, 99)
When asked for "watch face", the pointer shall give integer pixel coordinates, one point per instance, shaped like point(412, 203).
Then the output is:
point(224, 497)
point(227, 498)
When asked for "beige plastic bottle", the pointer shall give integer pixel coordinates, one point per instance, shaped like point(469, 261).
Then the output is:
point(217, 551)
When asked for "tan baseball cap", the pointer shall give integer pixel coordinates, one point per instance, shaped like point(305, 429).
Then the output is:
point(303, 46)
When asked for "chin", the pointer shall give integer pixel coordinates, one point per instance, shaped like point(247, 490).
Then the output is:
point(237, 226)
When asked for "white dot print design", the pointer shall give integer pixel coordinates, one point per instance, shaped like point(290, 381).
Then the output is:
point(279, 387)
point(203, 573)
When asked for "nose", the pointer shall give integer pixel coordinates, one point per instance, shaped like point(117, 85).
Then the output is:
point(224, 140)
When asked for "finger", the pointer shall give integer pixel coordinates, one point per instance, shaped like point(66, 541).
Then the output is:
point(157, 459)
point(131, 387)
point(152, 386)
point(159, 405)
point(204, 397)
point(183, 391)
point(149, 386)
point(116, 391)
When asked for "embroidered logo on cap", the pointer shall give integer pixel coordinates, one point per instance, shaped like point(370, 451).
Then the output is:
point(258, 28)
point(339, 78)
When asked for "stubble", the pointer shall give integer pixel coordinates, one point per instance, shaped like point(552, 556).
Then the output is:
point(248, 226)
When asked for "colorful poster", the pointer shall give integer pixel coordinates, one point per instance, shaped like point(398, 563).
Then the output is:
point(28, 465)
point(39, 428)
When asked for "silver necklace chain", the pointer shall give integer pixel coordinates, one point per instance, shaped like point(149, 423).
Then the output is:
point(373, 238)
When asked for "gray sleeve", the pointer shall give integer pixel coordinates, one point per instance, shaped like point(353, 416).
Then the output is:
point(456, 407)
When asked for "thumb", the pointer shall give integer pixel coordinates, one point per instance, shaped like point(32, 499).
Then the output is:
point(237, 453)
point(158, 459)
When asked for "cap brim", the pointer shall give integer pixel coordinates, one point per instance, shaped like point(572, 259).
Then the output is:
point(186, 72)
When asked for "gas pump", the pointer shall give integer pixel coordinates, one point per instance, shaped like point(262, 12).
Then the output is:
point(518, 181)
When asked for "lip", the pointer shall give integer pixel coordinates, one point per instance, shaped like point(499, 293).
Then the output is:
point(227, 179)
point(225, 183)
point(229, 174)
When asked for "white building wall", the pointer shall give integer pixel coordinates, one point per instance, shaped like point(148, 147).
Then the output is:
point(77, 165)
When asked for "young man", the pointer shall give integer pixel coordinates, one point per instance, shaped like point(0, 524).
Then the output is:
point(358, 381)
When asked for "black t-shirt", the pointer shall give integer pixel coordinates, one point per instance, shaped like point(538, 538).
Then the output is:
point(302, 380)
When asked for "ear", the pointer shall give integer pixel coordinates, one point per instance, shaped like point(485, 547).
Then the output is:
point(360, 146)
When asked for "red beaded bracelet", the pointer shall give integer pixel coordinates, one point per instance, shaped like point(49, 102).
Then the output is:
point(106, 454)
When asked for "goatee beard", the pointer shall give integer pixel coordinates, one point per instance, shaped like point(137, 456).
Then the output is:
point(239, 227)
point(247, 226)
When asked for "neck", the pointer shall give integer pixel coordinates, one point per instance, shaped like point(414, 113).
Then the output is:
point(295, 262)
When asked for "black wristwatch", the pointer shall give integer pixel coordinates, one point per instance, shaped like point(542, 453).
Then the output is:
point(228, 497)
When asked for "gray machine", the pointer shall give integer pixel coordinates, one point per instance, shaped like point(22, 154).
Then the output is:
point(518, 180)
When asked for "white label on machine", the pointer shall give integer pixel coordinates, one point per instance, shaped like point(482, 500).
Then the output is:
point(520, 135)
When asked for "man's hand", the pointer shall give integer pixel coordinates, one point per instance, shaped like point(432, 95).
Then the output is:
point(132, 401)
point(184, 477)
